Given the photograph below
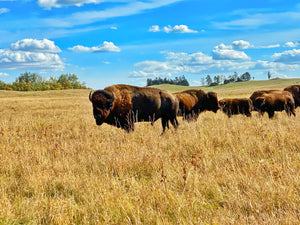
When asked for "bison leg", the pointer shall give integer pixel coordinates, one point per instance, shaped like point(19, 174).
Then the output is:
point(174, 122)
point(164, 123)
point(271, 114)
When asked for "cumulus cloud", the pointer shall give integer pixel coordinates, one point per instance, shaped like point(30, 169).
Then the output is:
point(223, 52)
point(31, 54)
point(169, 29)
point(33, 45)
point(241, 44)
point(154, 28)
point(179, 29)
point(288, 57)
point(59, 3)
point(291, 44)
point(3, 74)
point(105, 47)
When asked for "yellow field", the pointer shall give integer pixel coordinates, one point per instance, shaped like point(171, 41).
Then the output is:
point(58, 167)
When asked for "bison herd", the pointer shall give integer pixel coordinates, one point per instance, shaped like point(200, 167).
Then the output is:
point(123, 105)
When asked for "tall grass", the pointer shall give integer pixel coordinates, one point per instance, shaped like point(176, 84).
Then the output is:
point(58, 167)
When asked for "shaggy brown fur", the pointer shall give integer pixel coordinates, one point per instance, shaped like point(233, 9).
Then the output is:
point(193, 102)
point(295, 91)
point(123, 105)
point(233, 106)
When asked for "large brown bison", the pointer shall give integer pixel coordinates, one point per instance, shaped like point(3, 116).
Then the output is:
point(275, 101)
point(233, 106)
point(260, 93)
point(192, 102)
point(123, 105)
point(295, 90)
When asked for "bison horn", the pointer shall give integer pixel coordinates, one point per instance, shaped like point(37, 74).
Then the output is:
point(90, 96)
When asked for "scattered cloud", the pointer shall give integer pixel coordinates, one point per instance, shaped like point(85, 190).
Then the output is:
point(105, 47)
point(291, 44)
point(241, 44)
point(288, 57)
point(48, 4)
point(4, 10)
point(223, 52)
point(32, 54)
point(87, 17)
point(113, 28)
point(179, 29)
point(169, 29)
point(3, 74)
point(33, 45)
point(154, 28)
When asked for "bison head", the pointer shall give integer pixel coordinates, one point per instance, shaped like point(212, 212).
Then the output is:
point(212, 102)
point(259, 104)
point(102, 101)
point(223, 105)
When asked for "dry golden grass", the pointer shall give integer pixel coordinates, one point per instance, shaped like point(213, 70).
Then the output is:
point(58, 167)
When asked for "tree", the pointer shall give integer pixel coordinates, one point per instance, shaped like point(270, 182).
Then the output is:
point(208, 80)
point(269, 75)
point(246, 77)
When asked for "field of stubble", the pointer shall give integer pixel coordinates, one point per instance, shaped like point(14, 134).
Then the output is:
point(58, 167)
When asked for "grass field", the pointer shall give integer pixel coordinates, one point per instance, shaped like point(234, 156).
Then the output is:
point(58, 167)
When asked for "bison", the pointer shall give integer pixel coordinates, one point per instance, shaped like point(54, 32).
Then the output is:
point(123, 105)
point(192, 102)
point(295, 91)
point(260, 93)
point(233, 106)
point(275, 101)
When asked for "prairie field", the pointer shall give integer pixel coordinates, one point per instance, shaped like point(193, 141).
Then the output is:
point(58, 167)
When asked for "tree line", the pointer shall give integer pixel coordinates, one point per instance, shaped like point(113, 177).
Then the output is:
point(177, 81)
point(34, 82)
point(221, 79)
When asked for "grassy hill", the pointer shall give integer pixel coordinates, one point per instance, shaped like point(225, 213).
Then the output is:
point(235, 89)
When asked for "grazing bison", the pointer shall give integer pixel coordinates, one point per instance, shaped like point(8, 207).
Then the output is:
point(295, 90)
point(275, 101)
point(260, 93)
point(233, 106)
point(193, 102)
point(122, 105)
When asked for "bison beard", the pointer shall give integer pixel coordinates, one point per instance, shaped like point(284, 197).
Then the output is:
point(123, 105)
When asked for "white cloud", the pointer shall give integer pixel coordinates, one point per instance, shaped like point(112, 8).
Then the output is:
point(113, 28)
point(60, 3)
point(178, 29)
point(3, 74)
point(291, 44)
point(223, 52)
point(33, 45)
point(154, 28)
point(274, 65)
point(21, 60)
point(267, 46)
point(32, 54)
point(105, 47)
point(196, 63)
point(241, 44)
point(288, 57)
point(87, 17)
point(4, 10)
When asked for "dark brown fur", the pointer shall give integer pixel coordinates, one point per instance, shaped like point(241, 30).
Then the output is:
point(295, 91)
point(123, 105)
point(233, 106)
point(193, 102)
point(275, 101)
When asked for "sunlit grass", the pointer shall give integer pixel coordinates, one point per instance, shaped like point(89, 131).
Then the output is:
point(58, 167)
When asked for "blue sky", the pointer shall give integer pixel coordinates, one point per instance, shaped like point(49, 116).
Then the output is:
point(106, 42)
